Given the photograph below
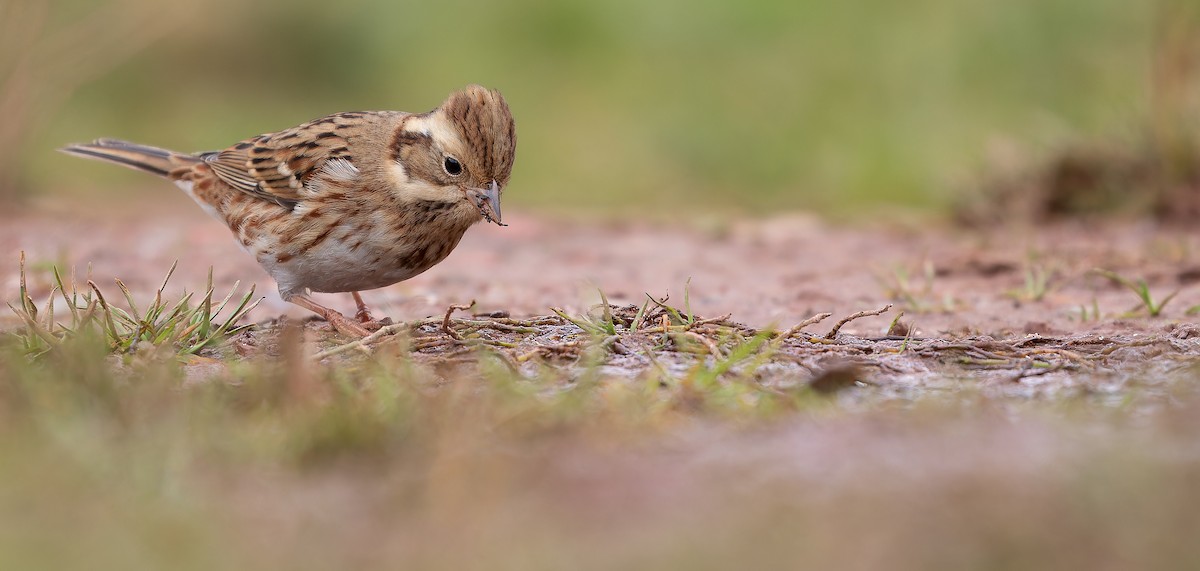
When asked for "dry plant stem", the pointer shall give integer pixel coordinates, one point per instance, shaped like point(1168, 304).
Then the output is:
point(479, 324)
point(838, 326)
point(509, 325)
point(1069, 355)
point(714, 321)
point(446, 320)
point(429, 343)
point(712, 347)
point(1010, 355)
point(363, 344)
point(810, 321)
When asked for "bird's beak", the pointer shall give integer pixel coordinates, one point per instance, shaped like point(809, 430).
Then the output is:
point(488, 201)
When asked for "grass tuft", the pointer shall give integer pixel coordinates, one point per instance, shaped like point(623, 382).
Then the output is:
point(185, 328)
point(1140, 288)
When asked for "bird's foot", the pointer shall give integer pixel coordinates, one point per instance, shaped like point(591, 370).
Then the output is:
point(339, 322)
point(364, 313)
point(349, 327)
point(364, 317)
point(375, 324)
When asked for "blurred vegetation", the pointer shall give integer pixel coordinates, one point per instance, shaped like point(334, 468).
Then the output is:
point(46, 53)
point(139, 462)
point(1155, 169)
point(626, 105)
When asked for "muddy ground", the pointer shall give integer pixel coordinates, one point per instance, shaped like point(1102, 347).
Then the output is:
point(1000, 424)
point(1021, 308)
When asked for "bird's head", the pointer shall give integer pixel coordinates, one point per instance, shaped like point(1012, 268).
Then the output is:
point(461, 151)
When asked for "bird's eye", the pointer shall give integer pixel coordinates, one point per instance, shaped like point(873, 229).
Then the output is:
point(452, 166)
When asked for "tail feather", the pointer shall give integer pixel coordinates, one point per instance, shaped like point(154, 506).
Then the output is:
point(141, 157)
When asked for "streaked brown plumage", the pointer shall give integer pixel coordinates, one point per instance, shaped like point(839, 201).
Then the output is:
point(351, 201)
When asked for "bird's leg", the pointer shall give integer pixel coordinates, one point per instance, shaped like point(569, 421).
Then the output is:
point(364, 313)
point(341, 323)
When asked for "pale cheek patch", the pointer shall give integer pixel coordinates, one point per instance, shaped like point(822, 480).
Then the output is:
point(397, 173)
point(407, 187)
point(421, 190)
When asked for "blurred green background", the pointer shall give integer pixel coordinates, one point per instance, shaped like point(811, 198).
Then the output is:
point(621, 106)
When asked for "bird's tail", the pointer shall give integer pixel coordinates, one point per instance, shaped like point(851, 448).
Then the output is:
point(148, 159)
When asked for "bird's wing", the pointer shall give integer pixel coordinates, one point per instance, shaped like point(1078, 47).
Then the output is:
point(275, 166)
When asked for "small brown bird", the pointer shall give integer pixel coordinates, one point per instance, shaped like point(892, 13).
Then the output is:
point(352, 201)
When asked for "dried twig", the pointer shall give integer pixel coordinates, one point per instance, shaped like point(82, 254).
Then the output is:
point(838, 326)
point(446, 320)
point(1064, 353)
point(712, 347)
point(810, 321)
point(430, 342)
point(363, 344)
point(499, 326)
point(724, 319)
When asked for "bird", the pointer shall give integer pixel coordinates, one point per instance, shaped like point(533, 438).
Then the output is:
point(351, 201)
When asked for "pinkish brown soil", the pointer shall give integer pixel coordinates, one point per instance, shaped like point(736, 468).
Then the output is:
point(963, 302)
point(876, 488)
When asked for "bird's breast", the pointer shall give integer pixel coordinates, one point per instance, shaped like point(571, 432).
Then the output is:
point(375, 250)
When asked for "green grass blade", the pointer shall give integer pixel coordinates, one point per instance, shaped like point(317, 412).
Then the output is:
point(687, 301)
point(607, 325)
